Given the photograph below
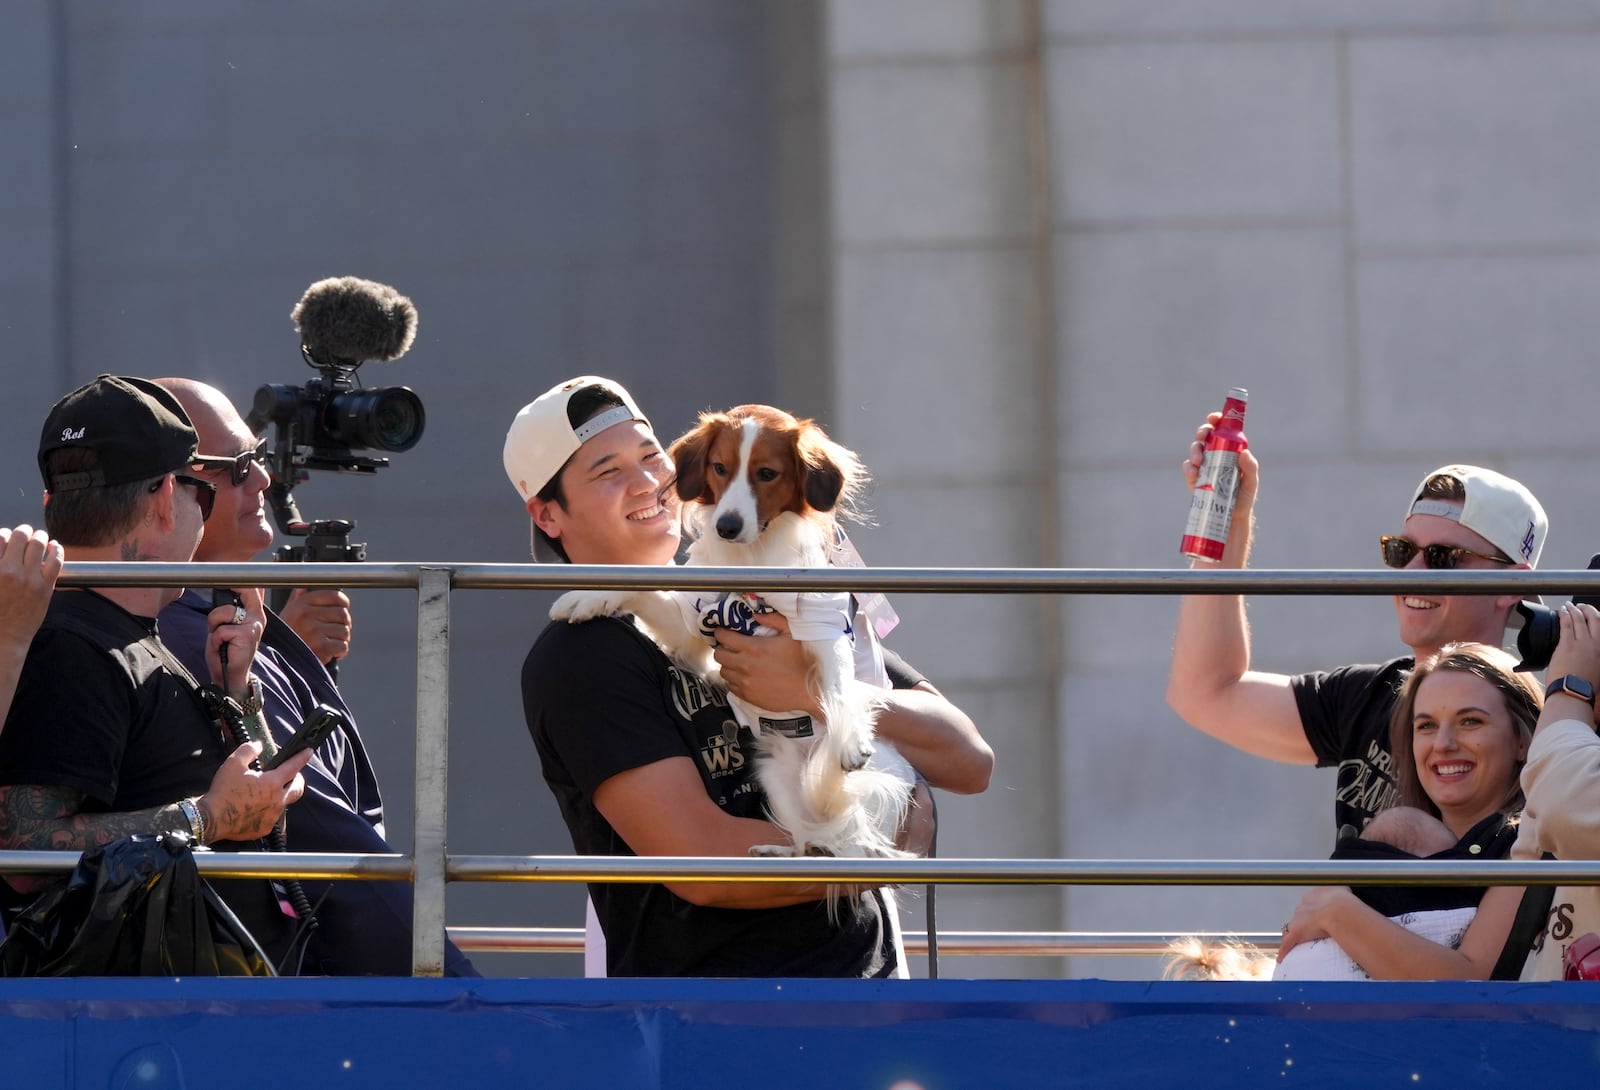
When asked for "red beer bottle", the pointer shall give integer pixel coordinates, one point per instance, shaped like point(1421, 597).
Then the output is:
point(1216, 486)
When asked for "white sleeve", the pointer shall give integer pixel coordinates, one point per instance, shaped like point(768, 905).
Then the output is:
point(1560, 782)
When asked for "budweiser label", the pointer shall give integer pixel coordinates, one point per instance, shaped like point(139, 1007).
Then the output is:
point(1211, 506)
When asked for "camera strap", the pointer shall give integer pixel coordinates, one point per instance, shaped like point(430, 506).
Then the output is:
point(1532, 916)
point(236, 725)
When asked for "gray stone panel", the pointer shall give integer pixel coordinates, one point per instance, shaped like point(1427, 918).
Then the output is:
point(901, 29)
point(961, 638)
point(682, 327)
point(1139, 784)
point(948, 337)
point(143, 90)
point(704, 194)
point(420, 92)
point(1122, 743)
point(1184, 131)
point(798, 201)
point(321, 210)
point(441, 212)
point(27, 56)
point(27, 200)
point(1478, 348)
point(1197, 17)
point(999, 523)
point(1012, 819)
point(29, 326)
point(1155, 326)
point(929, 153)
point(126, 214)
point(1476, 141)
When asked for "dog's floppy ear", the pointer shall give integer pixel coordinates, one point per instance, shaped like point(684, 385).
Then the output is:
point(824, 482)
point(689, 454)
point(832, 473)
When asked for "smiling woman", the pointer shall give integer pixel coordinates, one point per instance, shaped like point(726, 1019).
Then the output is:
point(1460, 735)
point(1465, 718)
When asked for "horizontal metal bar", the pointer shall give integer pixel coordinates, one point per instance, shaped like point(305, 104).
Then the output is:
point(569, 940)
point(335, 865)
point(1080, 943)
point(914, 580)
point(1089, 872)
point(148, 574)
point(1093, 872)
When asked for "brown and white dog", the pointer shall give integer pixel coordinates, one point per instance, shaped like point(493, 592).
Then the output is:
point(763, 489)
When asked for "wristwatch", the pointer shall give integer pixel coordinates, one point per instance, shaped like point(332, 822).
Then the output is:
point(1572, 685)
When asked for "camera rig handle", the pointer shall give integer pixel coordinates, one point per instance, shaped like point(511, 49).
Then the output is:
point(327, 540)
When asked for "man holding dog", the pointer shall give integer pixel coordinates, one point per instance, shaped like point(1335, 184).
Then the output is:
point(108, 734)
point(645, 758)
point(1459, 517)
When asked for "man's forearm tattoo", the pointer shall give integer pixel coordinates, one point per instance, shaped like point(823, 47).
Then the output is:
point(36, 818)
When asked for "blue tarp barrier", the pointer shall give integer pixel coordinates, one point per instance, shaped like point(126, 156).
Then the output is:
point(816, 1035)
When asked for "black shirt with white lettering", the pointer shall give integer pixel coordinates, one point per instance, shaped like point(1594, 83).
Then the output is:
point(1345, 714)
point(601, 699)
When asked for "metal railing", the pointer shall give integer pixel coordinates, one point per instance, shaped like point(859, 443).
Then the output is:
point(430, 868)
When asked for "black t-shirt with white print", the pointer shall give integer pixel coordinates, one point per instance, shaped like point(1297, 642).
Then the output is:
point(1345, 713)
point(601, 699)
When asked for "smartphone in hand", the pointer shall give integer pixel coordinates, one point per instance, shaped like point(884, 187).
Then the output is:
point(312, 732)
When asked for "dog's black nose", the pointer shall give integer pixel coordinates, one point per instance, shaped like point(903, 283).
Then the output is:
point(729, 526)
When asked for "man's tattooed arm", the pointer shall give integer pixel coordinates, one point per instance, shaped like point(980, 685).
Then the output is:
point(49, 819)
point(34, 818)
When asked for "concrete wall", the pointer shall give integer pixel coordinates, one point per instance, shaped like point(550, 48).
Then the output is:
point(1011, 251)
point(562, 188)
point(940, 340)
point(1382, 219)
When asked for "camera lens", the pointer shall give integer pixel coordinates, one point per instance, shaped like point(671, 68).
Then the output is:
point(385, 418)
point(1541, 631)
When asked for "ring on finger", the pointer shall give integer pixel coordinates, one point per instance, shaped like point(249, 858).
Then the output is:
point(239, 615)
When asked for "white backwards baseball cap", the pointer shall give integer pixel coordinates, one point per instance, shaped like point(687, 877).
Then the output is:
point(1501, 511)
point(543, 436)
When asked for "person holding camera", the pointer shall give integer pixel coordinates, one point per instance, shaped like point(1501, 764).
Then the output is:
point(1461, 517)
point(29, 564)
point(645, 758)
point(1562, 818)
point(108, 734)
point(363, 928)
point(1541, 933)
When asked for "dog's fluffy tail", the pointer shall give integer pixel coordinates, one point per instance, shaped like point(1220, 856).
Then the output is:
point(1194, 958)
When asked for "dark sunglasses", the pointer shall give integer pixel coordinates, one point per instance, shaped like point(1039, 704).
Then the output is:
point(1398, 551)
point(238, 466)
point(205, 493)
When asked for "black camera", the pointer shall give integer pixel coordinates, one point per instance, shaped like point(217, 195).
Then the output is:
point(1541, 627)
point(330, 418)
point(343, 322)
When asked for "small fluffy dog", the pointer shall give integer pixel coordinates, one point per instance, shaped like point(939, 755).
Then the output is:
point(763, 489)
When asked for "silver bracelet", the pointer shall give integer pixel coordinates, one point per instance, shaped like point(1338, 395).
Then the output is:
point(196, 819)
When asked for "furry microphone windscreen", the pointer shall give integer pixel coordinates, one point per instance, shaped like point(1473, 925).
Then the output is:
point(345, 320)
